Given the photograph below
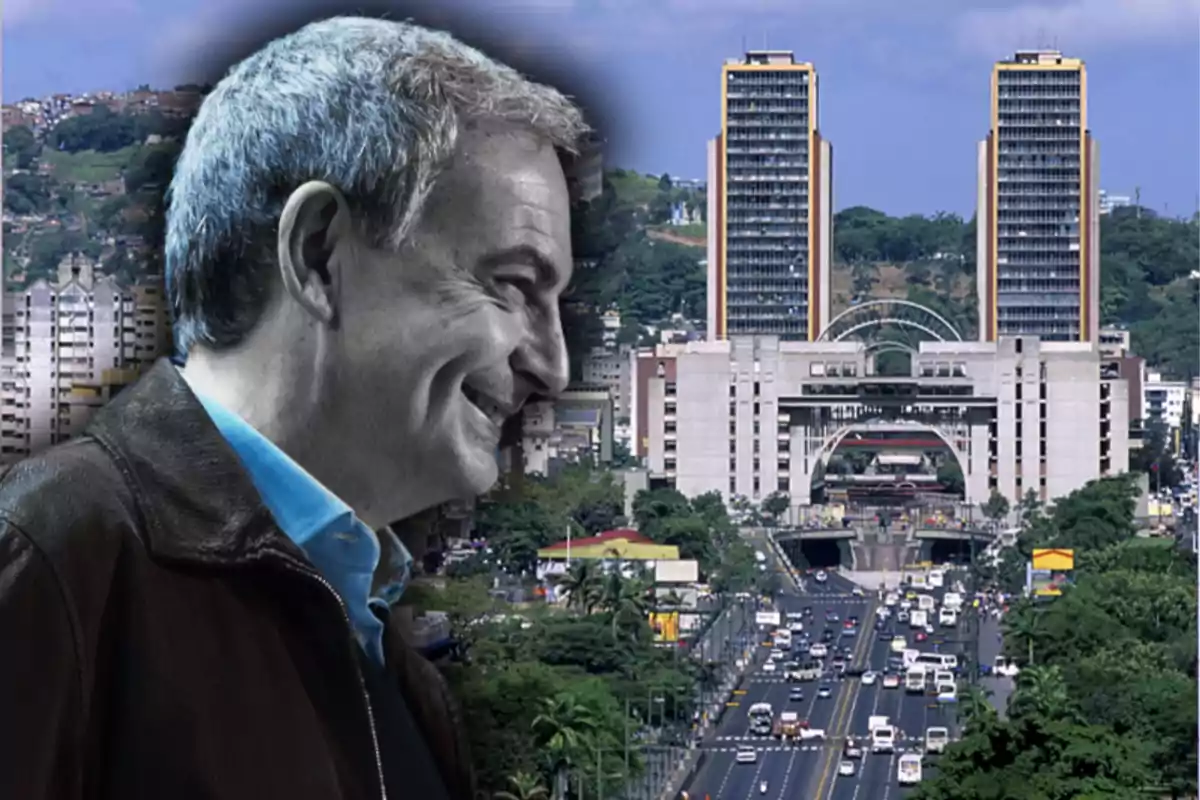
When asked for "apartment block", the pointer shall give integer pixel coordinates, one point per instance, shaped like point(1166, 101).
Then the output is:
point(68, 347)
point(1039, 203)
point(770, 202)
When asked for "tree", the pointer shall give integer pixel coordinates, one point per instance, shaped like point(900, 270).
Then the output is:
point(775, 505)
point(563, 729)
point(996, 507)
point(524, 787)
point(950, 476)
point(23, 147)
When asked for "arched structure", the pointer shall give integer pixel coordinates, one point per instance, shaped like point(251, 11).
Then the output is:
point(895, 312)
point(948, 438)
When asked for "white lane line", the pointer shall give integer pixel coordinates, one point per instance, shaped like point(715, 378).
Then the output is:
point(729, 771)
point(787, 777)
point(757, 777)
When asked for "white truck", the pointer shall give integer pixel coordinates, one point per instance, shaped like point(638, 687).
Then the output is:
point(918, 620)
point(914, 679)
point(883, 739)
point(953, 601)
point(908, 769)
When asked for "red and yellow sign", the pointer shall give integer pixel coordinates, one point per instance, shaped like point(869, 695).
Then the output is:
point(1053, 559)
point(665, 625)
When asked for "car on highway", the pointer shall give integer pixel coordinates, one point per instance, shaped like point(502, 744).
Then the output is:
point(849, 631)
point(891, 681)
point(921, 636)
point(747, 755)
point(857, 591)
point(846, 769)
point(832, 616)
point(838, 666)
point(769, 666)
point(824, 691)
point(796, 695)
point(891, 599)
point(821, 576)
point(818, 650)
point(852, 749)
point(870, 678)
point(885, 634)
point(827, 636)
point(777, 655)
point(947, 693)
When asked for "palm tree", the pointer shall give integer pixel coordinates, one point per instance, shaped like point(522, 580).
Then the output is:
point(976, 708)
point(582, 585)
point(1042, 690)
point(625, 599)
point(524, 787)
point(1023, 626)
point(563, 730)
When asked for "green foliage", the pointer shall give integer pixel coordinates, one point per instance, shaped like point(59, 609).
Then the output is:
point(105, 131)
point(22, 147)
point(1105, 704)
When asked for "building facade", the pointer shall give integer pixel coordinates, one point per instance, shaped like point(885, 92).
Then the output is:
point(1039, 204)
point(1019, 414)
point(68, 347)
point(770, 215)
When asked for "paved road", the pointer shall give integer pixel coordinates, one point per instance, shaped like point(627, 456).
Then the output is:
point(809, 771)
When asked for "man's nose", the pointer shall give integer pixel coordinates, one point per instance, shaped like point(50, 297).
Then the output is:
point(542, 359)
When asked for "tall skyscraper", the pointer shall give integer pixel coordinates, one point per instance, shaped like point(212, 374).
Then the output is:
point(770, 202)
point(1038, 247)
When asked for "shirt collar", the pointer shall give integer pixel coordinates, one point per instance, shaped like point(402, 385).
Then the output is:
point(302, 506)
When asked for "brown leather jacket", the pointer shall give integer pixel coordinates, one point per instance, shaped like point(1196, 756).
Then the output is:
point(162, 638)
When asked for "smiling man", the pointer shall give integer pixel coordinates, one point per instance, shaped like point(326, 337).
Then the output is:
point(367, 237)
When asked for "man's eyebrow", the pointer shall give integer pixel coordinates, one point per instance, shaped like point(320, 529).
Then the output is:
point(526, 255)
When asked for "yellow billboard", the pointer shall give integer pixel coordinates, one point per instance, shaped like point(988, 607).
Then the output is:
point(665, 625)
point(1053, 559)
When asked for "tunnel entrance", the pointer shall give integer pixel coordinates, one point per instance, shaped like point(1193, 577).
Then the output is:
point(806, 554)
point(950, 551)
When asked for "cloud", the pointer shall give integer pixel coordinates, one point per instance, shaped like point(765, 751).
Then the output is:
point(1079, 24)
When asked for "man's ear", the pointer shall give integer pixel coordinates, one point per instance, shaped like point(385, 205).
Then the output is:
point(315, 217)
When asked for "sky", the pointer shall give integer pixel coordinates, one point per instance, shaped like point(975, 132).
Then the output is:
point(904, 83)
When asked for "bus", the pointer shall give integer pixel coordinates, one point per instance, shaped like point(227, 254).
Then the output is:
point(760, 716)
point(908, 770)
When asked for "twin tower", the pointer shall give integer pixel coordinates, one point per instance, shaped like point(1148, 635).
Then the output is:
point(770, 203)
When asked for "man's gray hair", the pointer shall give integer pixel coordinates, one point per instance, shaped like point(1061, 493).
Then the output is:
point(371, 106)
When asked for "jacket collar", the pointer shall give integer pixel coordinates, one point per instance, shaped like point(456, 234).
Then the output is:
point(199, 504)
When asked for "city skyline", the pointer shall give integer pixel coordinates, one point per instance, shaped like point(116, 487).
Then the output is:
point(922, 73)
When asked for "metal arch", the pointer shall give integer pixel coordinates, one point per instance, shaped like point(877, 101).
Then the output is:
point(891, 346)
point(903, 323)
point(823, 337)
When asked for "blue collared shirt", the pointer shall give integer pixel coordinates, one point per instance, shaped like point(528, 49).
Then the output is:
point(343, 549)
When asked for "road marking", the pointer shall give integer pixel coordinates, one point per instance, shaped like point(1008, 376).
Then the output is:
point(839, 719)
point(787, 777)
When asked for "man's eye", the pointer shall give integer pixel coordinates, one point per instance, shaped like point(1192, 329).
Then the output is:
point(515, 286)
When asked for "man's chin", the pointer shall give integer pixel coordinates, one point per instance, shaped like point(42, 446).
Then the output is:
point(479, 472)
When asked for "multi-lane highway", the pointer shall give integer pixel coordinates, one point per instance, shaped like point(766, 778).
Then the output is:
point(809, 769)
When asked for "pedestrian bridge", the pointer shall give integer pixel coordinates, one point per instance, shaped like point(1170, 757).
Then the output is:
point(805, 534)
point(954, 534)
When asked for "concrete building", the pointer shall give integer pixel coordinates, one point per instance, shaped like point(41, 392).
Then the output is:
point(613, 370)
point(577, 426)
point(1163, 401)
point(1018, 414)
point(770, 212)
point(68, 347)
point(1038, 204)
point(1120, 362)
point(1110, 201)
